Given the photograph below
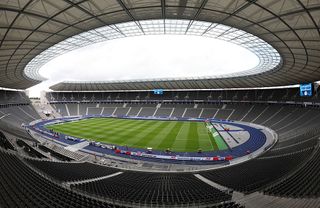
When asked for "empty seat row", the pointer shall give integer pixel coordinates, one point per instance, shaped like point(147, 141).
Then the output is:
point(22, 187)
point(155, 188)
point(70, 171)
point(303, 183)
point(256, 174)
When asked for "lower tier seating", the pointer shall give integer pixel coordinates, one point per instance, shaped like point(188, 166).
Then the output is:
point(64, 171)
point(22, 187)
point(155, 188)
point(303, 183)
point(256, 174)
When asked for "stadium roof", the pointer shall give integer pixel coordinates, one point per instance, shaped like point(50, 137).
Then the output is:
point(28, 28)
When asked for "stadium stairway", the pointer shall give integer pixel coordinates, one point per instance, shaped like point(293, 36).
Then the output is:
point(77, 147)
point(46, 107)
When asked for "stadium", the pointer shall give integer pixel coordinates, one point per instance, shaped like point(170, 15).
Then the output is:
point(244, 139)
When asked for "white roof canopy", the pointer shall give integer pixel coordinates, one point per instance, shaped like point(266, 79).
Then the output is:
point(28, 28)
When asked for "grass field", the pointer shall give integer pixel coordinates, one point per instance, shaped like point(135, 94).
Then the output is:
point(179, 136)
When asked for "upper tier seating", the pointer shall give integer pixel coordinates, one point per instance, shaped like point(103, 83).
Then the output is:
point(289, 94)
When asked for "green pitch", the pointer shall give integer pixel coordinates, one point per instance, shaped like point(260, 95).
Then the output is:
point(178, 136)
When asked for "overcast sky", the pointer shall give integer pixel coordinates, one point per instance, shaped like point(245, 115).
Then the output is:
point(157, 56)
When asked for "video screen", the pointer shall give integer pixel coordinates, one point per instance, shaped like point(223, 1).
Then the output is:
point(158, 91)
point(306, 90)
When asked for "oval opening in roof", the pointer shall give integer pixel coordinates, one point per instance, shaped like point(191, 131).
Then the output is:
point(151, 57)
point(159, 49)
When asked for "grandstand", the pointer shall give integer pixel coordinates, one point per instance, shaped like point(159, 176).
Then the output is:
point(247, 139)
